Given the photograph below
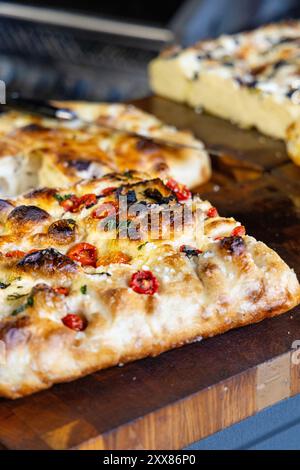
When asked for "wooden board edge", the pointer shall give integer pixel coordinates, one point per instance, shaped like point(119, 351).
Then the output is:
point(187, 420)
point(208, 411)
point(205, 412)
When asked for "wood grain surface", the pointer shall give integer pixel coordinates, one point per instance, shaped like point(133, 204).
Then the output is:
point(187, 394)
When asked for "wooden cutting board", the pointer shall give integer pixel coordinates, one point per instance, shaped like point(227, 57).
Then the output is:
point(187, 394)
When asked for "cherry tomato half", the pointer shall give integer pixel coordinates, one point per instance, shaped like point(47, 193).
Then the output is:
point(76, 204)
point(239, 231)
point(74, 322)
point(144, 282)
point(61, 290)
point(15, 254)
point(181, 191)
point(83, 253)
point(212, 212)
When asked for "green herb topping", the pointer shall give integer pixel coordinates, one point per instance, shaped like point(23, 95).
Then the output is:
point(23, 307)
point(83, 289)
point(61, 198)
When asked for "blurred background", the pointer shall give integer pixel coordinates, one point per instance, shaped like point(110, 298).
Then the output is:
point(99, 50)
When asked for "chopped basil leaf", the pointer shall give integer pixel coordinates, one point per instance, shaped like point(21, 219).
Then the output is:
point(61, 198)
point(142, 245)
point(83, 289)
point(30, 301)
point(21, 308)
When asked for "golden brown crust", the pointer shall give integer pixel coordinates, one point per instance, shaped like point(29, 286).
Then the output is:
point(65, 155)
point(217, 282)
point(109, 358)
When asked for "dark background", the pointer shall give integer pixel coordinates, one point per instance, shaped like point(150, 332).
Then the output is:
point(57, 59)
point(143, 10)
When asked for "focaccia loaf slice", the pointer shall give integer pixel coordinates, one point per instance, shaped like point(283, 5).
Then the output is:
point(37, 152)
point(78, 294)
point(293, 142)
point(251, 78)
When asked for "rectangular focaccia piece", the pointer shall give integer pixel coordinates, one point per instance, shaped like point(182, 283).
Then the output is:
point(293, 142)
point(42, 152)
point(76, 296)
point(251, 78)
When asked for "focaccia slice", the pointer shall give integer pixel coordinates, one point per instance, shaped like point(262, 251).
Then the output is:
point(36, 152)
point(293, 142)
point(78, 294)
point(251, 78)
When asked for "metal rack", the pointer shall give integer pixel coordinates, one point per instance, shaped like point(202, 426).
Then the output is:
point(47, 61)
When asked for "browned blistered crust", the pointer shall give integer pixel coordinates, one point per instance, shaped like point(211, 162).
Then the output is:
point(231, 283)
point(68, 154)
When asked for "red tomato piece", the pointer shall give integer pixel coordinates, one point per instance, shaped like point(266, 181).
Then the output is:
point(61, 290)
point(107, 191)
point(15, 254)
point(76, 204)
point(144, 282)
point(88, 200)
point(212, 212)
point(83, 253)
point(70, 204)
point(74, 322)
point(181, 191)
point(239, 231)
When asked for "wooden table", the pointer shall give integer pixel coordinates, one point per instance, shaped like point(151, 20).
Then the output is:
point(189, 393)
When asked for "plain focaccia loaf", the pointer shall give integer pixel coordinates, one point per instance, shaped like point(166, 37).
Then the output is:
point(201, 283)
point(37, 152)
point(293, 142)
point(250, 78)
